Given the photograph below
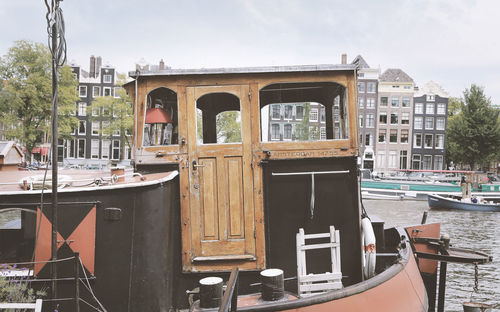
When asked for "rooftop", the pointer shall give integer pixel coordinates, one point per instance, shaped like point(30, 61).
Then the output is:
point(395, 75)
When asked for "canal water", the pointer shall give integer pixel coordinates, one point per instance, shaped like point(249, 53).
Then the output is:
point(468, 229)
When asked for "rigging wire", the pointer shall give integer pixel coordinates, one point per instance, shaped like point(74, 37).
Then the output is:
point(90, 288)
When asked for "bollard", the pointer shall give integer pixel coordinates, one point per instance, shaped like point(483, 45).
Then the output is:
point(273, 285)
point(210, 292)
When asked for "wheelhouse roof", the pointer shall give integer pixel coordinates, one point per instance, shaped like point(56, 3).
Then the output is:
point(244, 70)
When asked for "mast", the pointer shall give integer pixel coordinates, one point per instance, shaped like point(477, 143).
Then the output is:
point(57, 45)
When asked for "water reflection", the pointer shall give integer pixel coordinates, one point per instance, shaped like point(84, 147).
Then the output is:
point(476, 230)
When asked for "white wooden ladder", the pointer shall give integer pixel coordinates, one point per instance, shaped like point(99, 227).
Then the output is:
point(37, 306)
point(312, 284)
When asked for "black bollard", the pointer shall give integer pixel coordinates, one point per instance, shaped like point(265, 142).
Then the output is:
point(273, 285)
point(210, 292)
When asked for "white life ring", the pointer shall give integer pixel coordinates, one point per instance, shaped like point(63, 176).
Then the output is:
point(369, 248)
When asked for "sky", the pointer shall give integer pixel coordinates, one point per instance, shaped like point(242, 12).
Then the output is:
point(454, 43)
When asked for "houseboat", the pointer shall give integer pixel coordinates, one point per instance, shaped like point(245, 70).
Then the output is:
point(249, 170)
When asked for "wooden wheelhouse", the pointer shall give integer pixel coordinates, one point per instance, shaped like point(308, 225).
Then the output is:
point(221, 173)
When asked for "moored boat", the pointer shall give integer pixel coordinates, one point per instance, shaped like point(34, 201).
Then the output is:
point(458, 203)
point(212, 197)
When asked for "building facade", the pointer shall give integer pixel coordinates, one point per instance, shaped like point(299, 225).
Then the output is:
point(394, 120)
point(429, 127)
point(88, 146)
point(367, 104)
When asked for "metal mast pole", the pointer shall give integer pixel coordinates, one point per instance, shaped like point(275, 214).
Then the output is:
point(57, 45)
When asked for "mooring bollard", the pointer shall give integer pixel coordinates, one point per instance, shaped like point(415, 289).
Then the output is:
point(210, 292)
point(273, 285)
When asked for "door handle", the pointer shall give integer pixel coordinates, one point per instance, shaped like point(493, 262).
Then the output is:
point(195, 165)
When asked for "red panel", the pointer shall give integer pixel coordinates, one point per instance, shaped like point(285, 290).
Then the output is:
point(44, 243)
point(83, 240)
point(431, 230)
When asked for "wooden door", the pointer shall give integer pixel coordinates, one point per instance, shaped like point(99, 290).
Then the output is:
point(220, 181)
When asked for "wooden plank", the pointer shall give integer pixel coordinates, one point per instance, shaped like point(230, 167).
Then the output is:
point(336, 276)
point(234, 178)
point(38, 305)
point(225, 258)
point(208, 203)
point(319, 246)
point(320, 287)
point(318, 235)
point(17, 305)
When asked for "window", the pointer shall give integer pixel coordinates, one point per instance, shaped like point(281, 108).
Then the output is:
point(368, 139)
point(107, 78)
point(128, 153)
point(94, 149)
point(405, 102)
point(403, 159)
point(82, 109)
point(116, 150)
point(417, 140)
point(395, 87)
point(394, 118)
point(440, 123)
point(427, 163)
point(393, 138)
point(105, 149)
point(275, 132)
point(82, 127)
point(82, 91)
point(116, 92)
point(405, 118)
point(361, 121)
point(418, 123)
point(95, 111)
point(383, 101)
point(95, 127)
point(438, 162)
point(81, 148)
point(287, 134)
point(299, 112)
point(429, 123)
point(395, 102)
point(381, 159)
point(407, 87)
point(288, 112)
point(370, 103)
point(441, 109)
point(429, 108)
point(361, 87)
point(106, 91)
point(116, 132)
point(439, 141)
point(431, 98)
point(370, 87)
point(404, 136)
point(383, 118)
point(70, 148)
point(275, 111)
point(322, 133)
point(428, 141)
point(361, 101)
point(392, 159)
point(382, 133)
point(370, 120)
point(313, 116)
point(415, 164)
point(419, 108)
point(323, 115)
point(96, 91)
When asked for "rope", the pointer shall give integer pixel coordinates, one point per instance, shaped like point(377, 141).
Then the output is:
point(35, 262)
point(90, 305)
point(90, 287)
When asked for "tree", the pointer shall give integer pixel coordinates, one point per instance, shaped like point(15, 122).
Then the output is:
point(26, 95)
point(473, 136)
point(229, 127)
point(115, 113)
point(454, 106)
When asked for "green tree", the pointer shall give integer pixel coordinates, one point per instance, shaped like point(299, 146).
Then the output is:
point(26, 94)
point(229, 127)
point(473, 136)
point(115, 113)
point(454, 106)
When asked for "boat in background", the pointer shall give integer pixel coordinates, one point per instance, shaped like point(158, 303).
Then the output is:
point(417, 184)
point(457, 203)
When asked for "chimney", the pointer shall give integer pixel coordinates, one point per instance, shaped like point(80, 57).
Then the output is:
point(92, 67)
point(98, 66)
point(344, 58)
point(162, 65)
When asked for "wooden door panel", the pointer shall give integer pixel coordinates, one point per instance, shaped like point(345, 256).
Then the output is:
point(208, 199)
point(234, 178)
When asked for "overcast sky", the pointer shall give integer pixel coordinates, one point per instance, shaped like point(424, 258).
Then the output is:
point(454, 42)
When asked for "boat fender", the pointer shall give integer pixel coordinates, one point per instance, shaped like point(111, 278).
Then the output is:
point(369, 244)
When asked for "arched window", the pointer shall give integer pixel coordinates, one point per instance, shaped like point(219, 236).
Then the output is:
point(311, 111)
point(218, 119)
point(161, 118)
